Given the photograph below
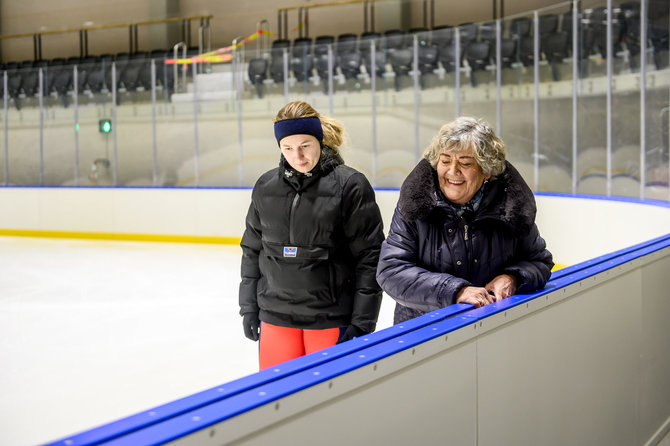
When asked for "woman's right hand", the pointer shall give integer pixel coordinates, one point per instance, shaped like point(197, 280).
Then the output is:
point(251, 325)
point(473, 295)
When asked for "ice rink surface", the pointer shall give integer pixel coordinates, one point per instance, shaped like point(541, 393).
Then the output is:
point(93, 331)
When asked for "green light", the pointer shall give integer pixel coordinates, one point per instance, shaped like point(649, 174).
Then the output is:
point(76, 127)
point(105, 126)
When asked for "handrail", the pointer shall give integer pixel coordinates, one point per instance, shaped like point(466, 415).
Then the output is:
point(99, 27)
point(132, 26)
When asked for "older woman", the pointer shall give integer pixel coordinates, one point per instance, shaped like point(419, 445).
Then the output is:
point(464, 228)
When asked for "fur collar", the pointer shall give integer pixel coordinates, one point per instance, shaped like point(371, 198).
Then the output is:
point(507, 198)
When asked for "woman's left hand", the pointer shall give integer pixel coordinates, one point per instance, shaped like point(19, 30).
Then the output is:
point(501, 286)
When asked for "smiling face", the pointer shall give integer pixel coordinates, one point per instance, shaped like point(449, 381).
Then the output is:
point(459, 175)
point(301, 151)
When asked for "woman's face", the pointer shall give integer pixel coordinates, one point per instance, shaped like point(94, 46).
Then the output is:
point(301, 151)
point(460, 176)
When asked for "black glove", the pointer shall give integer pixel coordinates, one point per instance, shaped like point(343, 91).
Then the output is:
point(251, 325)
point(350, 333)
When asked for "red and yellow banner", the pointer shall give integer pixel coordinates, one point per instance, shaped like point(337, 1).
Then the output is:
point(221, 55)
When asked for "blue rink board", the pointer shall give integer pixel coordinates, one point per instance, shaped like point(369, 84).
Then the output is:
point(199, 411)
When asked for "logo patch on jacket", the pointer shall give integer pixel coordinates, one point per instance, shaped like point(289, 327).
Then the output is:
point(290, 251)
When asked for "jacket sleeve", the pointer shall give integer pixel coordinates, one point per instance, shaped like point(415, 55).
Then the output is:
point(533, 267)
point(250, 271)
point(363, 229)
point(402, 277)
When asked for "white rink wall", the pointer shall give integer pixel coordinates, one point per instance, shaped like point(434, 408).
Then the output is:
point(575, 228)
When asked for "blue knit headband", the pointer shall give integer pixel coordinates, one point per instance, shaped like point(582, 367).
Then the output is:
point(299, 126)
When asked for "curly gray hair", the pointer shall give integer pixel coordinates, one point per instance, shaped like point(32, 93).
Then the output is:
point(465, 132)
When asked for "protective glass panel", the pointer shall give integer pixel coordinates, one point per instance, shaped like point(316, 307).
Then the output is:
point(657, 101)
point(554, 100)
point(591, 165)
point(517, 95)
point(478, 82)
point(23, 118)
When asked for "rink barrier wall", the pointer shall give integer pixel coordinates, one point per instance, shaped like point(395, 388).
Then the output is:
point(572, 225)
point(583, 361)
point(513, 372)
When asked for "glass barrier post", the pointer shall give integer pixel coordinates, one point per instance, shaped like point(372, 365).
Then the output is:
point(196, 143)
point(643, 97)
point(373, 86)
point(536, 100)
point(238, 79)
point(330, 79)
point(499, 77)
point(457, 70)
point(417, 98)
point(153, 122)
point(609, 97)
point(285, 75)
point(41, 117)
point(5, 107)
point(575, 86)
point(75, 105)
point(114, 124)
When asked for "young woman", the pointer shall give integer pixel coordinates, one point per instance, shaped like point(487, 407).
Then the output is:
point(311, 244)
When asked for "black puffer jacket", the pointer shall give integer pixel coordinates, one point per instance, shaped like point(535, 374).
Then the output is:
point(311, 247)
point(431, 252)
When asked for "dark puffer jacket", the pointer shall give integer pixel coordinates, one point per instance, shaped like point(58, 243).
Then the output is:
point(431, 252)
point(311, 247)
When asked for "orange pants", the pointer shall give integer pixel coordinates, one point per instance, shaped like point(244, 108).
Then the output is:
point(279, 344)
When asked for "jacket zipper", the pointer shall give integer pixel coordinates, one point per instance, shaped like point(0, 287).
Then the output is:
point(294, 205)
point(468, 242)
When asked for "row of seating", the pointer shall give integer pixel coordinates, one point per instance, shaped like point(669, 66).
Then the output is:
point(309, 58)
point(94, 74)
point(436, 49)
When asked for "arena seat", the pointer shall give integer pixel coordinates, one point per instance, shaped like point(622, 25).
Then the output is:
point(99, 78)
point(598, 24)
point(401, 63)
point(302, 61)
point(61, 80)
point(277, 59)
point(442, 36)
point(447, 57)
point(258, 73)
point(467, 33)
point(658, 34)
point(348, 57)
point(321, 57)
point(365, 44)
point(129, 76)
point(520, 27)
point(555, 47)
point(394, 39)
point(346, 43)
point(30, 77)
point(478, 56)
point(548, 24)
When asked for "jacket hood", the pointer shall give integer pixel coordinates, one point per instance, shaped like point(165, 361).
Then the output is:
point(507, 197)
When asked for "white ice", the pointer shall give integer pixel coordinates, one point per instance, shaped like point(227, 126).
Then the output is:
point(93, 331)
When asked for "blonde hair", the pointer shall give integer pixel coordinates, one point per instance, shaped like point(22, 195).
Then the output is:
point(466, 132)
point(333, 130)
